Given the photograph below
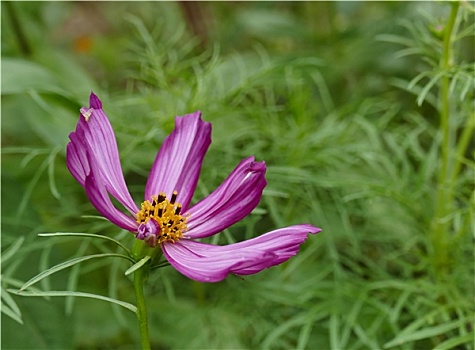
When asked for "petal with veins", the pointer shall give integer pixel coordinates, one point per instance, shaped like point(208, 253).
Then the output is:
point(235, 198)
point(98, 138)
point(210, 263)
point(178, 163)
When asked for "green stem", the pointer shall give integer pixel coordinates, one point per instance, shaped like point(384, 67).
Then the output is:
point(139, 250)
point(440, 223)
point(139, 278)
point(462, 145)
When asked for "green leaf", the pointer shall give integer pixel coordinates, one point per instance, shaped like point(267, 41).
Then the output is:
point(128, 306)
point(10, 302)
point(423, 333)
point(429, 85)
point(452, 343)
point(9, 307)
point(283, 328)
point(138, 265)
point(67, 264)
point(60, 234)
point(11, 250)
point(98, 217)
point(10, 313)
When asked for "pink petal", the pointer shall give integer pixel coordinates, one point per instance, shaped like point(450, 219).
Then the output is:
point(99, 197)
point(76, 158)
point(284, 243)
point(210, 263)
point(211, 268)
point(178, 163)
point(235, 198)
point(98, 137)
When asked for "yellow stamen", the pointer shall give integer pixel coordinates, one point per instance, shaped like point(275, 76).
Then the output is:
point(166, 213)
point(86, 113)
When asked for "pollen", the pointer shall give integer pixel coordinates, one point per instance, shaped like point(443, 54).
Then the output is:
point(166, 214)
point(86, 113)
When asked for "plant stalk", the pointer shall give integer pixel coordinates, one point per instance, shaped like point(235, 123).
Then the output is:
point(441, 220)
point(140, 277)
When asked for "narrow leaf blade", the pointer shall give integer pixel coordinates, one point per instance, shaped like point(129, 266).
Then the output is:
point(67, 264)
point(138, 265)
point(128, 306)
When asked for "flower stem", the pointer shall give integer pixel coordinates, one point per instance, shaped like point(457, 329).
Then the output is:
point(441, 220)
point(139, 278)
point(138, 252)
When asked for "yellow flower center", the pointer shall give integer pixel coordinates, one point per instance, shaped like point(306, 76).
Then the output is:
point(160, 220)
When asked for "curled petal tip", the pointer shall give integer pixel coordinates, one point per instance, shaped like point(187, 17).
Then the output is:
point(94, 101)
point(309, 228)
point(258, 167)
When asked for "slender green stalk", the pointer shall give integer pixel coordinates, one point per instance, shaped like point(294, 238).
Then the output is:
point(139, 250)
point(463, 144)
point(139, 278)
point(440, 223)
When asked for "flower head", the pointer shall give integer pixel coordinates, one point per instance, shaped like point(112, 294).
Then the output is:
point(165, 219)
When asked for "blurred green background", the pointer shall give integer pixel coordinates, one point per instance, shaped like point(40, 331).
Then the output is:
point(343, 100)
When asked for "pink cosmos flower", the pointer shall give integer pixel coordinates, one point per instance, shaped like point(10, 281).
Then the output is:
point(165, 219)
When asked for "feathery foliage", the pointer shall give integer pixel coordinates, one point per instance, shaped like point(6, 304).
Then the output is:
point(363, 113)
